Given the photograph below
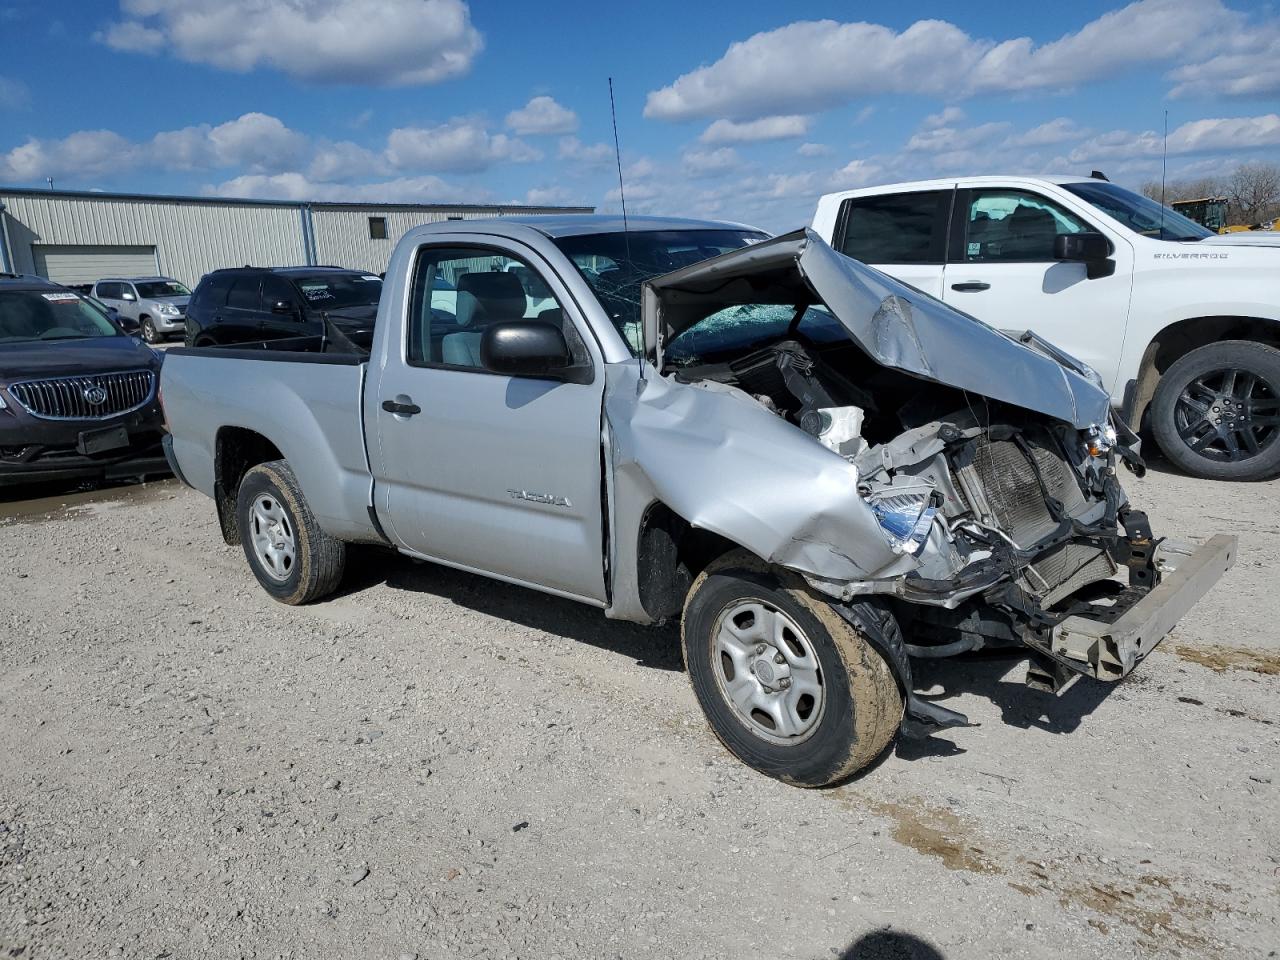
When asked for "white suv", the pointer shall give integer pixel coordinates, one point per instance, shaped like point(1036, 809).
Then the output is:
point(1181, 324)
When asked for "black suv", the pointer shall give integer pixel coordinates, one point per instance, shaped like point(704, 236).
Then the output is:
point(271, 303)
point(77, 395)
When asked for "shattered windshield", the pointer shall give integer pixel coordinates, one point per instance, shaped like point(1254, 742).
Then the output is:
point(616, 264)
point(743, 327)
point(1140, 214)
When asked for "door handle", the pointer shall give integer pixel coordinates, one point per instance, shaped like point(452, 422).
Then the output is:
point(973, 286)
point(401, 409)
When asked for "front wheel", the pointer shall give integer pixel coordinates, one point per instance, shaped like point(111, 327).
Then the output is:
point(294, 560)
point(149, 333)
point(789, 687)
point(1216, 411)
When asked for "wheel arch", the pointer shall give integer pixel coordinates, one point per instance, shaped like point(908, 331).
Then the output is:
point(237, 450)
point(1178, 339)
point(670, 554)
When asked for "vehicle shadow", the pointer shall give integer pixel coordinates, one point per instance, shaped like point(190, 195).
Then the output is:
point(658, 648)
point(997, 676)
point(889, 944)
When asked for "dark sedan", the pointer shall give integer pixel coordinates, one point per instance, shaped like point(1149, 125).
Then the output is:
point(78, 397)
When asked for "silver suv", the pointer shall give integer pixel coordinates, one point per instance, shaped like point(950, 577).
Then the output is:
point(158, 304)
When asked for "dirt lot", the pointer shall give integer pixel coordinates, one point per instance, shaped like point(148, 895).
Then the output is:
point(435, 765)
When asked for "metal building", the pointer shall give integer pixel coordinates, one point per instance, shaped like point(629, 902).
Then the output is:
point(79, 237)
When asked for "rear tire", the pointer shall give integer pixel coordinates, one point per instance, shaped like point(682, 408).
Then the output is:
point(789, 686)
point(294, 560)
point(1216, 411)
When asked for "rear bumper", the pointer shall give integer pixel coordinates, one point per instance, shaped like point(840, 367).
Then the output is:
point(1108, 648)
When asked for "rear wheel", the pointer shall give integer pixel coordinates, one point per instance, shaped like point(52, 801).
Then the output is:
point(294, 560)
point(789, 687)
point(1216, 411)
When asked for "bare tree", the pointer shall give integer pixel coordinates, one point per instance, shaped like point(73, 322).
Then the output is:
point(1175, 190)
point(1254, 190)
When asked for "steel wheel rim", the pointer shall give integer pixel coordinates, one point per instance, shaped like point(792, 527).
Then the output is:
point(767, 672)
point(1228, 415)
point(273, 539)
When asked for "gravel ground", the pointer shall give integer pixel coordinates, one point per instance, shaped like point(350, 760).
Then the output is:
point(434, 765)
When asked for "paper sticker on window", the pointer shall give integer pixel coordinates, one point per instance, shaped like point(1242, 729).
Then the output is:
point(61, 297)
point(974, 248)
point(370, 278)
point(317, 293)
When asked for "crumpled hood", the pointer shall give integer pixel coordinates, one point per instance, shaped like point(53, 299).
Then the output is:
point(33, 360)
point(895, 324)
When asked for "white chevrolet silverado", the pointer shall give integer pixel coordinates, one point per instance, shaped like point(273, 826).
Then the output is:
point(1181, 325)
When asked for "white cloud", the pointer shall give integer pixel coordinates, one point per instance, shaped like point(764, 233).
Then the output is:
point(1218, 135)
point(462, 145)
point(765, 128)
point(710, 163)
point(257, 141)
point(14, 94)
point(297, 186)
point(344, 161)
point(542, 115)
point(1249, 68)
point(807, 66)
point(131, 36)
point(947, 117)
point(379, 42)
point(550, 196)
point(949, 139)
point(1060, 130)
point(856, 173)
point(590, 154)
point(813, 150)
point(87, 153)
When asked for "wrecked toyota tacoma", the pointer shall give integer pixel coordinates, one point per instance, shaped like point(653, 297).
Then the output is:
point(822, 472)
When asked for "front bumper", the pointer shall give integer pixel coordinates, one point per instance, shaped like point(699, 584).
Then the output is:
point(165, 324)
point(144, 457)
point(1108, 645)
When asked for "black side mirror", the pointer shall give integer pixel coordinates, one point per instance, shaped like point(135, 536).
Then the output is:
point(283, 307)
point(1091, 249)
point(525, 348)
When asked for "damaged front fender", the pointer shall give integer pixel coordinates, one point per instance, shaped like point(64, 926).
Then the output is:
point(726, 465)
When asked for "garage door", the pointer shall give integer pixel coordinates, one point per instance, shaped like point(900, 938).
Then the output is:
point(86, 264)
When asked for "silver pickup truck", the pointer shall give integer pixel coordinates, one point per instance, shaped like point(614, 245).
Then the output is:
point(823, 472)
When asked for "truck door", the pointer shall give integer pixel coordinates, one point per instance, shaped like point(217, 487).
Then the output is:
point(903, 234)
point(488, 472)
point(1002, 270)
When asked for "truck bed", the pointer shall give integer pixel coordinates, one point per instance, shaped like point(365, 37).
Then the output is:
point(300, 395)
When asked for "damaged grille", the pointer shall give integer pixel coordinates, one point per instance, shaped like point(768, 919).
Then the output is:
point(1004, 491)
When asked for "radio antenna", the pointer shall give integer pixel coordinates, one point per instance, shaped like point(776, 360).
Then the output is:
point(1164, 169)
point(626, 232)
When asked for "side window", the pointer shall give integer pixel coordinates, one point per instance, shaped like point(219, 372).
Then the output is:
point(212, 292)
point(459, 291)
point(896, 227)
point(127, 292)
point(106, 291)
point(244, 292)
point(1013, 226)
point(277, 290)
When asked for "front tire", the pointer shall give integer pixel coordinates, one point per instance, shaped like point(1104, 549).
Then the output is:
point(149, 333)
point(294, 560)
point(1216, 411)
point(790, 688)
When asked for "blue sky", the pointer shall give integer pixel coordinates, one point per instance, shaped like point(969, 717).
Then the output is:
point(747, 111)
